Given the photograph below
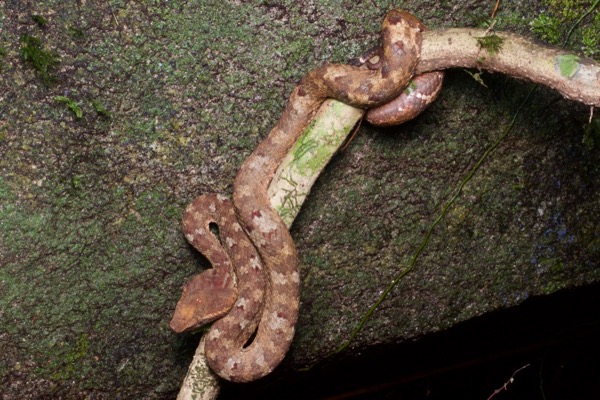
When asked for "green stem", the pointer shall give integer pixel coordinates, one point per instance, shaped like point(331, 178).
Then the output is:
point(588, 12)
point(439, 218)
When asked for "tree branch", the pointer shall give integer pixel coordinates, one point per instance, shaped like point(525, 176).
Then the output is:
point(576, 78)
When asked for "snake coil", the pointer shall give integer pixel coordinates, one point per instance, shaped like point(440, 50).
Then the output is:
point(253, 287)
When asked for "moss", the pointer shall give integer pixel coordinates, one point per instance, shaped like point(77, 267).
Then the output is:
point(550, 25)
point(58, 242)
point(100, 108)
point(93, 257)
point(492, 43)
point(76, 33)
point(43, 61)
point(39, 20)
point(72, 360)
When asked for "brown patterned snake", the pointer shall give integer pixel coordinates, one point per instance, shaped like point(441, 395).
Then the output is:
point(259, 272)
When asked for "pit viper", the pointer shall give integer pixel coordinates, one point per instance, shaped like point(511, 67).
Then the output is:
point(252, 289)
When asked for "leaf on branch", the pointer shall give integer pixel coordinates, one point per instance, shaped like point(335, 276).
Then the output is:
point(568, 64)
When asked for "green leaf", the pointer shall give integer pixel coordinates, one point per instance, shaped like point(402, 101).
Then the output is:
point(568, 64)
point(72, 104)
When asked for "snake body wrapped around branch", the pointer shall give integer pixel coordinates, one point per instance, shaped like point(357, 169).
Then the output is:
point(253, 286)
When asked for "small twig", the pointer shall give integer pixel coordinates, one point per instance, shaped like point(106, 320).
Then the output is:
point(352, 135)
point(508, 382)
point(113, 14)
point(490, 28)
point(493, 17)
point(495, 10)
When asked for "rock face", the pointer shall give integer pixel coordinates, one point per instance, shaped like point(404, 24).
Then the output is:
point(131, 110)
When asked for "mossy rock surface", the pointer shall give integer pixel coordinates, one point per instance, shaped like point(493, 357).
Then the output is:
point(152, 103)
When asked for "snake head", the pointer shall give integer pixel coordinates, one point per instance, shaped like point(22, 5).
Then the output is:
point(206, 297)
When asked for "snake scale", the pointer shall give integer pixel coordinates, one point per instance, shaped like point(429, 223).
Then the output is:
point(253, 288)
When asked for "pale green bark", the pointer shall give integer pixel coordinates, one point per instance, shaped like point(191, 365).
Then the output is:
point(288, 190)
point(311, 153)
